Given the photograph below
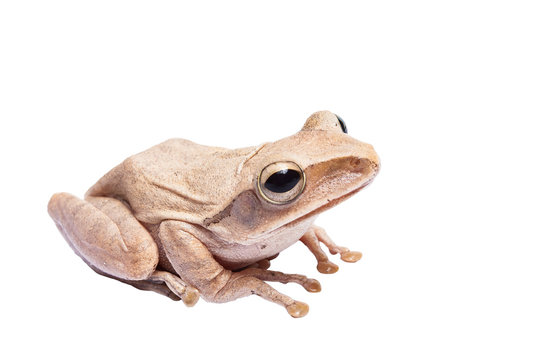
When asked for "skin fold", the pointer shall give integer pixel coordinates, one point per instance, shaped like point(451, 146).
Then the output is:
point(187, 220)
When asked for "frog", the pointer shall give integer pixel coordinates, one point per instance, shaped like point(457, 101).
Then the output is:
point(187, 220)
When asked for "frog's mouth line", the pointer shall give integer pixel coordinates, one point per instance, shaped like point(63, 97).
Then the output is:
point(329, 204)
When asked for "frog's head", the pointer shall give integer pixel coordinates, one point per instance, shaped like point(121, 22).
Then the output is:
point(296, 178)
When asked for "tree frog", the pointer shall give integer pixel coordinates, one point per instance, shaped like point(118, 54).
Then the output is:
point(184, 220)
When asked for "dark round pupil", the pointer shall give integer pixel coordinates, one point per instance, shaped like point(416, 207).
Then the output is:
point(282, 180)
point(342, 123)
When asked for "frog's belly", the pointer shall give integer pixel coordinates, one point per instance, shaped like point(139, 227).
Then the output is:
point(236, 256)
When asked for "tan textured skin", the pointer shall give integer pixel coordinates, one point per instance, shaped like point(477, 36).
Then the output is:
point(183, 219)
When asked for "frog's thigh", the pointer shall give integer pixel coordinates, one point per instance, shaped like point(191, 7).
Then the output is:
point(104, 232)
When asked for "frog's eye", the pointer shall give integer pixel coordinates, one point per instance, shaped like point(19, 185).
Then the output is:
point(342, 123)
point(281, 182)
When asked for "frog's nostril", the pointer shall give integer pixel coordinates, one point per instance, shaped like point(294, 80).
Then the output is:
point(363, 165)
point(356, 162)
point(359, 165)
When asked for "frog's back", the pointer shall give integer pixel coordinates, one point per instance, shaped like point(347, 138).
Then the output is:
point(177, 179)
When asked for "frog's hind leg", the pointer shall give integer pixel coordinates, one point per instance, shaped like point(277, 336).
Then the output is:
point(106, 235)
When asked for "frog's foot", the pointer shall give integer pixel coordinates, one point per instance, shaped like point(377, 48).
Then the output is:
point(312, 239)
point(188, 294)
point(345, 254)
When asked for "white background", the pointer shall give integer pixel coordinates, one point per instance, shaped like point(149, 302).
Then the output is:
point(447, 92)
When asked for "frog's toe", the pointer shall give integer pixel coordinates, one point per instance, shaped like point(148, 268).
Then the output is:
point(297, 309)
point(351, 256)
point(312, 285)
point(181, 289)
point(191, 296)
point(327, 267)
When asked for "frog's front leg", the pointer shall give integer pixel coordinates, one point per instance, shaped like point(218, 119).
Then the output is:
point(106, 235)
point(312, 239)
point(194, 263)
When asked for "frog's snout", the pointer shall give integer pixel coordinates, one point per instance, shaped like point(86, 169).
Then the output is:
point(366, 161)
point(369, 167)
point(362, 165)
